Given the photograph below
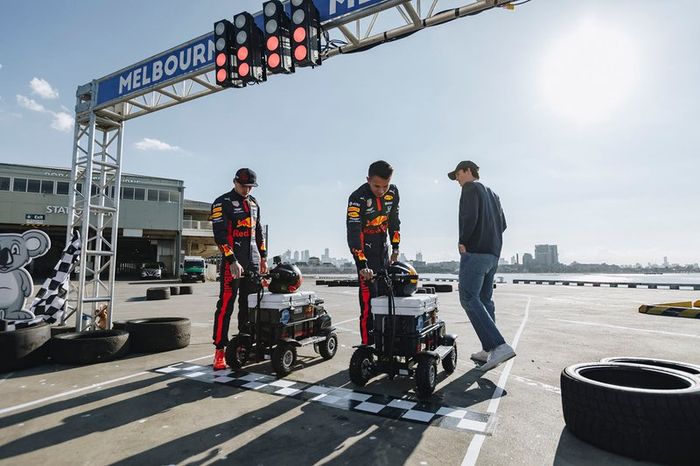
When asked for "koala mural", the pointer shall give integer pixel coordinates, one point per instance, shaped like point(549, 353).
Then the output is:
point(16, 251)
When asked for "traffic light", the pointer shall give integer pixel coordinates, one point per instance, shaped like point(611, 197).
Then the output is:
point(223, 43)
point(306, 33)
point(249, 63)
point(278, 49)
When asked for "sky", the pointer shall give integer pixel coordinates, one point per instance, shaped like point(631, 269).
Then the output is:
point(583, 116)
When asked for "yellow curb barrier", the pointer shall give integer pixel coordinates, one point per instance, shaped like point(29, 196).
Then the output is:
point(688, 309)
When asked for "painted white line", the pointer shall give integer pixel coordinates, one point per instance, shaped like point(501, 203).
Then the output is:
point(356, 319)
point(78, 390)
point(71, 392)
point(595, 324)
point(478, 440)
point(7, 376)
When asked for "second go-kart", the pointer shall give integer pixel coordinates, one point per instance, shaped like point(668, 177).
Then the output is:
point(409, 338)
point(282, 320)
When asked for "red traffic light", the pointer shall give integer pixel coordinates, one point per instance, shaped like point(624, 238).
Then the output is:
point(221, 59)
point(272, 43)
point(299, 34)
point(273, 61)
point(244, 69)
point(221, 75)
point(300, 52)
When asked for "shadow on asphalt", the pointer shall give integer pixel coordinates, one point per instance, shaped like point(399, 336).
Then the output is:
point(572, 451)
point(319, 433)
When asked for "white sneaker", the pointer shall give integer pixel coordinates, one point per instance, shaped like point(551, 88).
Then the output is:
point(498, 355)
point(482, 356)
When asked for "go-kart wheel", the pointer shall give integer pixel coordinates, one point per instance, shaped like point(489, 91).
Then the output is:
point(450, 361)
point(426, 377)
point(237, 352)
point(283, 358)
point(329, 347)
point(361, 366)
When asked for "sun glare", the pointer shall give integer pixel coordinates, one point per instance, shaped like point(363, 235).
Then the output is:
point(589, 72)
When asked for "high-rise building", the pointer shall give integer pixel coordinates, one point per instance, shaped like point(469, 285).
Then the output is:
point(419, 256)
point(527, 259)
point(305, 255)
point(326, 255)
point(546, 254)
point(514, 260)
point(296, 256)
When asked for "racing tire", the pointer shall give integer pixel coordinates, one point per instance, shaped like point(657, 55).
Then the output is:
point(284, 356)
point(174, 290)
point(24, 347)
point(237, 353)
point(119, 325)
point(362, 367)
point(426, 376)
point(329, 347)
point(154, 294)
point(89, 347)
point(449, 362)
point(688, 368)
point(158, 334)
point(187, 289)
point(440, 287)
point(61, 329)
point(640, 411)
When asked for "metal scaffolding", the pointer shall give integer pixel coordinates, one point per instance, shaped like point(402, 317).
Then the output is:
point(103, 105)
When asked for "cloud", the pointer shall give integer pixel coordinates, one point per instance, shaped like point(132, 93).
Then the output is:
point(155, 144)
point(43, 89)
point(62, 121)
point(30, 104)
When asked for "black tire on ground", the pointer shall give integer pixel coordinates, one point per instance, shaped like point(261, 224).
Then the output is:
point(61, 329)
point(362, 366)
point(119, 324)
point(329, 347)
point(688, 368)
point(237, 353)
point(158, 334)
point(332, 283)
point(161, 292)
point(441, 287)
point(187, 289)
point(89, 347)
point(426, 376)
point(284, 356)
point(204, 279)
point(174, 290)
point(25, 347)
point(450, 361)
point(640, 411)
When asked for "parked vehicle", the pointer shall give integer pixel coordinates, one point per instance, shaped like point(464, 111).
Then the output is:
point(193, 269)
point(152, 270)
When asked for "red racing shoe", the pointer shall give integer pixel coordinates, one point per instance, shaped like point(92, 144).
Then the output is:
point(219, 359)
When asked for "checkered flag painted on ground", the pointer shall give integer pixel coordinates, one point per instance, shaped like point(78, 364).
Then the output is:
point(50, 301)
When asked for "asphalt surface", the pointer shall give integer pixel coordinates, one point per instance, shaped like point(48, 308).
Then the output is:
point(123, 412)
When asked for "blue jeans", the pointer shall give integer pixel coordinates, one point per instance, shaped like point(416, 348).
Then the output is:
point(476, 272)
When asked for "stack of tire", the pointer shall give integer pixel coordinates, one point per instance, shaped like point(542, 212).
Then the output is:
point(643, 408)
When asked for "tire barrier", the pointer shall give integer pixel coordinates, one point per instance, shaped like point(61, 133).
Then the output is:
point(154, 294)
point(174, 290)
point(641, 411)
point(158, 334)
point(650, 286)
point(61, 329)
point(688, 368)
point(89, 347)
point(440, 287)
point(320, 282)
point(680, 309)
point(24, 347)
point(119, 325)
point(187, 289)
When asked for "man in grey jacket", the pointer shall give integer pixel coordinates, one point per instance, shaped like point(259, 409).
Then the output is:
point(481, 227)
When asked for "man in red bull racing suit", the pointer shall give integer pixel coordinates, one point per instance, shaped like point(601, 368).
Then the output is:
point(235, 218)
point(373, 211)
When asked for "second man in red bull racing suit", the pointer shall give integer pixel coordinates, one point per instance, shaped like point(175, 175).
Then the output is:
point(235, 218)
point(372, 213)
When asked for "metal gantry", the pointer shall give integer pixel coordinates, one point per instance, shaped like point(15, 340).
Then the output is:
point(99, 122)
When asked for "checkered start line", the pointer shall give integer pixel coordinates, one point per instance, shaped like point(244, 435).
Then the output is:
point(422, 412)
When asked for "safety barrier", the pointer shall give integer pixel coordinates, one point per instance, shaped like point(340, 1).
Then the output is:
point(681, 309)
point(650, 286)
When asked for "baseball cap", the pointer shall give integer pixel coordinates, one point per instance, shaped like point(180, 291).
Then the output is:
point(463, 165)
point(246, 177)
